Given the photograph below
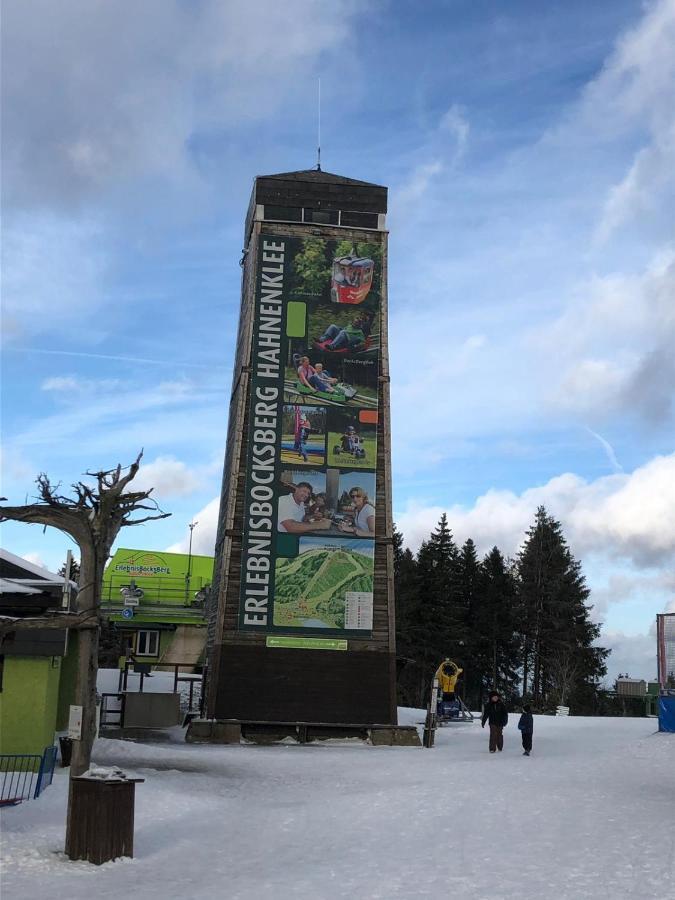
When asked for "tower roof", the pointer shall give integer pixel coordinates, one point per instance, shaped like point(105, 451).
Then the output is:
point(312, 189)
point(318, 176)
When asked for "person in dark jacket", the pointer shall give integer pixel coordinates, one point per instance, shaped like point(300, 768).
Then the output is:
point(526, 727)
point(496, 715)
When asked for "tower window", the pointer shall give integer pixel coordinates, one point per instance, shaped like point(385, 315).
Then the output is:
point(283, 213)
point(358, 219)
point(322, 216)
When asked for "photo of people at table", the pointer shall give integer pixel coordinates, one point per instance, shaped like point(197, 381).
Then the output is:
point(331, 502)
point(357, 503)
point(301, 508)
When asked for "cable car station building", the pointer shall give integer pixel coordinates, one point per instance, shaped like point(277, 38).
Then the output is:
point(301, 630)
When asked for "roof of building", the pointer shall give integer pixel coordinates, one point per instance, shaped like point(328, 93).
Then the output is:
point(28, 589)
point(320, 177)
point(19, 576)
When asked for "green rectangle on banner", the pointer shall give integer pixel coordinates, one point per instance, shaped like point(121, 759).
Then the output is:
point(296, 319)
point(299, 643)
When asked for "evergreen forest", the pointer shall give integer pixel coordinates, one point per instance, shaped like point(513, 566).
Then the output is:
point(519, 625)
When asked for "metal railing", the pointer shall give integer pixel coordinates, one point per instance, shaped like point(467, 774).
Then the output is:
point(172, 592)
point(136, 666)
point(24, 776)
point(111, 717)
point(188, 685)
point(46, 773)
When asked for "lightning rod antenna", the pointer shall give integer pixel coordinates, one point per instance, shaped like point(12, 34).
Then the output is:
point(318, 143)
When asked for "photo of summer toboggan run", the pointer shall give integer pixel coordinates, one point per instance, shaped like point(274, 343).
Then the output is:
point(310, 589)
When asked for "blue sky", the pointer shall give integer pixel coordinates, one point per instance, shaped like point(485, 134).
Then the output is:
point(529, 149)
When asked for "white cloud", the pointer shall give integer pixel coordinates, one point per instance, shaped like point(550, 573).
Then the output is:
point(96, 96)
point(455, 123)
point(641, 191)
point(636, 92)
point(574, 334)
point(637, 520)
point(418, 182)
point(169, 477)
point(115, 406)
point(622, 516)
point(71, 385)
point(204, 534)
point(109, 117)
point(53, 273)
point(34, 558)
point(628, 585)
point(589, 384)
point(14, 465)
point(613, 345)
point(605, 353)
point(441, 159)
point(621, 527)
point(632, 654)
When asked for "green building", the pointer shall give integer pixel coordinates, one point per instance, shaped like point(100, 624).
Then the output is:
point(37, 666)
point(156, 601)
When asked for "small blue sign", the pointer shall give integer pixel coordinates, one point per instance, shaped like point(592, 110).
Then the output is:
point(127, 613)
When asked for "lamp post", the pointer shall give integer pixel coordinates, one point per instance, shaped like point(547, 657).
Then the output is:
point(191, 526)
point(465, 684)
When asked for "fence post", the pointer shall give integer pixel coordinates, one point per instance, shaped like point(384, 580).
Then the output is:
point(39, 778)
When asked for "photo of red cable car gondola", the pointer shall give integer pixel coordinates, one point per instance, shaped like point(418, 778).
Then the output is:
point(351, 278)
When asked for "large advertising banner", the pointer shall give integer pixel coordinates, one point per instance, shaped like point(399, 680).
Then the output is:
point(309, 509)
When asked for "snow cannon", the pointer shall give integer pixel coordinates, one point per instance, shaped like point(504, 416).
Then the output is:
point(449, 706)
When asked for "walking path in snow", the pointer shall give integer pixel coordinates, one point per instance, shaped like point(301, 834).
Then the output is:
point(591, 814)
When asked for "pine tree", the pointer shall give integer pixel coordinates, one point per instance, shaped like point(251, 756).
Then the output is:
point(74, 571)
point(497, 654)
point(408, 650)
point(405, 577)
point(439, 626)
point(468, 635)
point(557, 653)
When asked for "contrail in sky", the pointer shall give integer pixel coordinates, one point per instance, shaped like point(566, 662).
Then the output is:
point(607, 447)
point(132, 359)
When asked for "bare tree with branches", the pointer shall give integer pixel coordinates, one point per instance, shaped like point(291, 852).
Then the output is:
point(92, 516)
point(563, 671)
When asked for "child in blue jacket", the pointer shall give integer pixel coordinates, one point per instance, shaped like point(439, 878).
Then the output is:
point(526, 726)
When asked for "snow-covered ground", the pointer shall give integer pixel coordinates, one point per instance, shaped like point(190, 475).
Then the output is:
point(591, 814)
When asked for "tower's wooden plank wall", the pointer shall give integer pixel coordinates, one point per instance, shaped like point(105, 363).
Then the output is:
point(247, 680)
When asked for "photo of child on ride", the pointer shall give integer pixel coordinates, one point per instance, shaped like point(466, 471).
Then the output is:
point(303, 438)
point(351, 441)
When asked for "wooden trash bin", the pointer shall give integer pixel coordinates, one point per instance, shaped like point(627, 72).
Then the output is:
point(101, 823)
